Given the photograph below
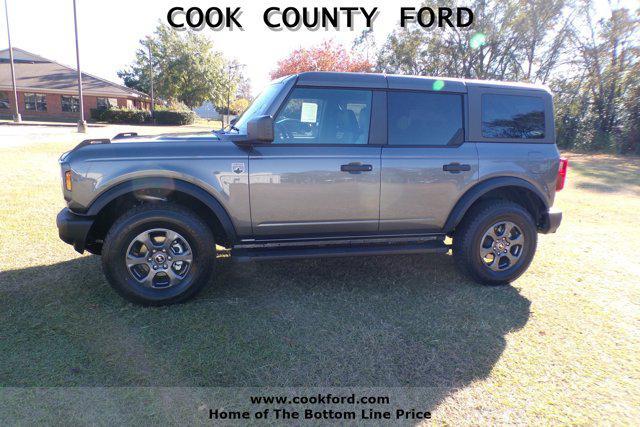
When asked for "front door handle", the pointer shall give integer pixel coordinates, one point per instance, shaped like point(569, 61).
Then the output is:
point(456, 168)
point(356, 168)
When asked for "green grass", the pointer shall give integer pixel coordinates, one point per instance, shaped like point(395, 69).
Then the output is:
point(559, 346)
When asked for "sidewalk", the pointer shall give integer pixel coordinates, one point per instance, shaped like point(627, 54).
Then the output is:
point(6, 122)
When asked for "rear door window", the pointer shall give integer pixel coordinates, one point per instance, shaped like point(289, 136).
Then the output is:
point(512, 117)
point(423, 118)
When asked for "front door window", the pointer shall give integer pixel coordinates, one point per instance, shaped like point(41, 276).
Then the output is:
point(324, 116)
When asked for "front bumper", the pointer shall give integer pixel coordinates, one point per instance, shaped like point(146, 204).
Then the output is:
point(74, 229)
point(550, 221)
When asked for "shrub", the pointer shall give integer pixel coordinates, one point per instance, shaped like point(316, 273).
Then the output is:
point(121, 115)
point(127, 116)
point(171, 117)
point(97, 114)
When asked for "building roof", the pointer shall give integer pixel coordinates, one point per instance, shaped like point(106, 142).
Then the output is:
point(36, 73)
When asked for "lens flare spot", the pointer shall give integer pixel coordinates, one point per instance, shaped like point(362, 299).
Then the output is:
point(438, 85)
point(477, 40)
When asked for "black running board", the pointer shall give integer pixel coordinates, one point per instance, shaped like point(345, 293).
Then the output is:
point(262, 254)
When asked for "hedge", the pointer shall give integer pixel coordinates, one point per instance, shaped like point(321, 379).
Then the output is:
point(123, 115)
point(171, 117)
point(120, 115)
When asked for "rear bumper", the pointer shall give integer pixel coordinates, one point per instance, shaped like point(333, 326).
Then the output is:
point(74, 229)
point(550, 221)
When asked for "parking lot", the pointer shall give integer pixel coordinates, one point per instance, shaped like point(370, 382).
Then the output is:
point(559, 345)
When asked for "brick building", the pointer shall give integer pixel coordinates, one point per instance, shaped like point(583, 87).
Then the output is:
point(48, 90)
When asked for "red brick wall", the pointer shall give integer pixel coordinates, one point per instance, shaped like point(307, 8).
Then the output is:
point(54, 107)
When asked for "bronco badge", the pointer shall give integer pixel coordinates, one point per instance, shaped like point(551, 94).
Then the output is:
point(237, 167)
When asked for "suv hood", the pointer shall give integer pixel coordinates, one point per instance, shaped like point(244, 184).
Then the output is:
point(159, 145)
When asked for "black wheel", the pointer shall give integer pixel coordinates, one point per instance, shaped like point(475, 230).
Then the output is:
point(158, 254)
point(495, 242)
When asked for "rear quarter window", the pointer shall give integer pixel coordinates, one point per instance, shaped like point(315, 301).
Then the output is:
point(513, 117)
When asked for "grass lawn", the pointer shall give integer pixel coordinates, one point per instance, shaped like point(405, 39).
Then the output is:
point(561, 345)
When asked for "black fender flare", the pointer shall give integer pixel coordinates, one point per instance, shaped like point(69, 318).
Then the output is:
point(171, 184)
point(482, 188)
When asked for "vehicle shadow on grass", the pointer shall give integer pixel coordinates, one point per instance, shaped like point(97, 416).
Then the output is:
point(371, 322)
point(607, 174)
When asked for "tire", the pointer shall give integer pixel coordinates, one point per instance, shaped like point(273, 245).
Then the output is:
point(171, 230)
point(474, 238)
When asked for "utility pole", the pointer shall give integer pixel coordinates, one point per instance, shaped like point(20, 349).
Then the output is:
point(151, 78)
point(82, 124)
point(229, 68)
point(16, 117)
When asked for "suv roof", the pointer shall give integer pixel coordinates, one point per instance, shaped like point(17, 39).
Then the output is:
point(392, 81)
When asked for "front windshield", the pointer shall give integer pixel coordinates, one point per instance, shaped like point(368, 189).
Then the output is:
point(258, 107)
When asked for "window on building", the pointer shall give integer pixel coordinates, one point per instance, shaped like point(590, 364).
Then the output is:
point(70, 104)
point(324, 116)
point(107, 102)
point(512, 116)
point(35, 102)
point(4, 101)
point(424, 118)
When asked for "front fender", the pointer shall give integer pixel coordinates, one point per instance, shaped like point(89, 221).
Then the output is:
point(169, 184)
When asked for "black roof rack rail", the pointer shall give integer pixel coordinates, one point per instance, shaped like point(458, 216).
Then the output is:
point(94, 141)
point(125, 135)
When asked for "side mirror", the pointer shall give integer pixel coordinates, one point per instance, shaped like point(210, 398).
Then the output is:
point(260, 129)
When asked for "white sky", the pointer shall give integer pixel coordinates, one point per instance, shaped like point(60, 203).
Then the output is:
point(110, 30)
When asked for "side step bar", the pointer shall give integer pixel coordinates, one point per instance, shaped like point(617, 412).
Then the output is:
point(261, 254)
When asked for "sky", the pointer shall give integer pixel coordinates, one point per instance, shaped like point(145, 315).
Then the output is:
point(110, 31)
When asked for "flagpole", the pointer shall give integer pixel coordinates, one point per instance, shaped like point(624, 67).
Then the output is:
point(82, 124)
point(16, 117)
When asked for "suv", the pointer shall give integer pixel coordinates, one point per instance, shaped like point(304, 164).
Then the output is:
point(323, 164)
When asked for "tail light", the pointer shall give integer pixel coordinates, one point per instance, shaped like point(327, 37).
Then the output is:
point(562, 173)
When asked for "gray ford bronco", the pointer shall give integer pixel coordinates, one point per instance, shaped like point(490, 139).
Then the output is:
point(323, 164)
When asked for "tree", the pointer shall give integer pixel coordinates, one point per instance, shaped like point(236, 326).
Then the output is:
point(609, 55)
point(185, 68)
point(239, 105)
point(510, 40)
point(327, 56)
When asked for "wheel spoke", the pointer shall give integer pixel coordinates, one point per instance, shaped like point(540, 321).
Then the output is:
point(490, 233)
point(519, 240)
point(148, 280)
point(495, 265)
point(147, 241)
point(187, 256)
point(132, 260)
point(513, 259)
point(173, 277)
point(170, 237)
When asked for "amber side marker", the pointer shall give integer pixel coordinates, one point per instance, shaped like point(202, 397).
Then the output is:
point(67, 180)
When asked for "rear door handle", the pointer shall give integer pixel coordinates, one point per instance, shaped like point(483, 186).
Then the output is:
point(456, 168)
point(356, 168)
